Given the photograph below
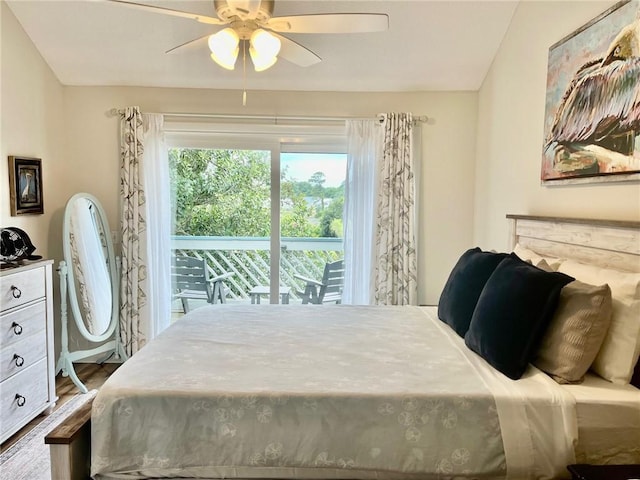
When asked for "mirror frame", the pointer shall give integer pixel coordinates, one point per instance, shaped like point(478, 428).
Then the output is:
point(111, 264)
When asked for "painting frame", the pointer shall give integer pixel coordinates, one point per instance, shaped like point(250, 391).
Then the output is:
point(583, 74)
point(25, 185)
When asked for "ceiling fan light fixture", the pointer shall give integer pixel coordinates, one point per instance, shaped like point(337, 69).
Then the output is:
point(224, 47)
point(265, 43)
point(261, 62)
point(264, 49)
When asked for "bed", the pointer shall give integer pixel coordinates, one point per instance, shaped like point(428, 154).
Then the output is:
point(369, 392)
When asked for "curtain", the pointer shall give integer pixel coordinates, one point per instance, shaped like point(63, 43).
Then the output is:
point(144, 305)
point(155, 174)
point(133, 296)
point(364, 145)
point(395, 242)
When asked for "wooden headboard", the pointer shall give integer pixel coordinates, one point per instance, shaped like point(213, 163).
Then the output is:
point(605, 243)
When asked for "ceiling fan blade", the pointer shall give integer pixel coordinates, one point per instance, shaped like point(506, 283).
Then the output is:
point(189, 43)
point(330, 23)
point(296, 53)
point(168, 11)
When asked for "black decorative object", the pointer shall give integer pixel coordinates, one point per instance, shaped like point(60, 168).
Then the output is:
point(15, 245)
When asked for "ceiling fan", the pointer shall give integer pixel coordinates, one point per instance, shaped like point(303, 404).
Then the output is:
point(252, 22)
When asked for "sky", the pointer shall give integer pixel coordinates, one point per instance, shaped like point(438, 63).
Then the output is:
point(300, 166)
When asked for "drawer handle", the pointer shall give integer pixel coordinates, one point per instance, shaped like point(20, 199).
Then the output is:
point(20, 400)
point(19, 361)
point(17, 328)
point(16, 292)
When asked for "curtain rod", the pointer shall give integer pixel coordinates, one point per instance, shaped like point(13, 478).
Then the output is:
point(272, 118)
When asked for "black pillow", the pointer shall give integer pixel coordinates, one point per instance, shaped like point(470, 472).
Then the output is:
point(512, 314)
point(462, 290)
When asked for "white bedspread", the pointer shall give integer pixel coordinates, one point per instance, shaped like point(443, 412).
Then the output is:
point(282, 391)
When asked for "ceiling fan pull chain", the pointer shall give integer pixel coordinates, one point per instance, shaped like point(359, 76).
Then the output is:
point(244, 73)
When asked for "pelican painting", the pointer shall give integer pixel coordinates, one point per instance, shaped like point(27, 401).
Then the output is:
point(592, 123)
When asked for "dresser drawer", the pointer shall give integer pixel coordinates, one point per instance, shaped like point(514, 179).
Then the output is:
point(21, 287)
point(23, 323)
point(23, 396)
point(19, 356)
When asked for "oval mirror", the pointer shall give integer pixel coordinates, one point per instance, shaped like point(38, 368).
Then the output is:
point(91, 273)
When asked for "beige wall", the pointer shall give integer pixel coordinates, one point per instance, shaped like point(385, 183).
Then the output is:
point(510, 130)
point(446, 202)
point(70, 129)
point(32, 126)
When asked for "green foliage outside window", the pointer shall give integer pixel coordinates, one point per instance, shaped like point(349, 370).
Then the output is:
point(227, 193)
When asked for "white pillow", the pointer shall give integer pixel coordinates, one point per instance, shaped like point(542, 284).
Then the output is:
point(621, 346)
point(529, 255)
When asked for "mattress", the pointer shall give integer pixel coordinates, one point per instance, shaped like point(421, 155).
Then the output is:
point(292, 391)
point(608, 417)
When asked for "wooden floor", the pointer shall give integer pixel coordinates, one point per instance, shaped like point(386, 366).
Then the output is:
point(92, 375)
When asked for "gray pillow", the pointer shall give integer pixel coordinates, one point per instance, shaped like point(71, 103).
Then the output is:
point(576, 332)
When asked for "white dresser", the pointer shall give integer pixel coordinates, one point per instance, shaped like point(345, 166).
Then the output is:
point(27, 376)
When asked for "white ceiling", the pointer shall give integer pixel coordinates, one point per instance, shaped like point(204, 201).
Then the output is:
point(430, 45)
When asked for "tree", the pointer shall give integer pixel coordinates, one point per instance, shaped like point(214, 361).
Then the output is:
point(221, 192)
point(317, 181)
point(295, 213)
point(331, 219)
point(227, 193)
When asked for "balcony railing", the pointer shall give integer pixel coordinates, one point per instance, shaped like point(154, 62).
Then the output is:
point(249, 258)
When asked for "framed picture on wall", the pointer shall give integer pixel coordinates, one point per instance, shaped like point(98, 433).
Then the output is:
point(592, 110)
point(25, 185)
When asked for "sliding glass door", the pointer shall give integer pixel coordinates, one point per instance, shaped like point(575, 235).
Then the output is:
point(265, 210)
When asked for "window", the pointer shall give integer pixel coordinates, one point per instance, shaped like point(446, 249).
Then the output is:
point(264, 205)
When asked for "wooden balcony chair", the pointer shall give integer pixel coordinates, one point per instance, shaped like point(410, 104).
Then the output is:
point(190, 280)
point(328, 290)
